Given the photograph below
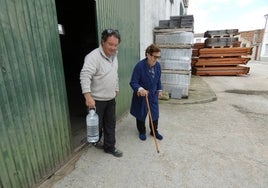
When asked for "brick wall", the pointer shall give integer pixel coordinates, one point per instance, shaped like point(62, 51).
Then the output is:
point(254, 36)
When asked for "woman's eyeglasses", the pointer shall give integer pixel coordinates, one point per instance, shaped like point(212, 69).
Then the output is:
point(156, 57)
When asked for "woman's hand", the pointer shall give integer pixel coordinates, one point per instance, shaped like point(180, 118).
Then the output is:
point(160, 93)
point(143, 92)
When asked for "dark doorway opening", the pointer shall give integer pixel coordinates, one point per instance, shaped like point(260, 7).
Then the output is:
point(78, 38)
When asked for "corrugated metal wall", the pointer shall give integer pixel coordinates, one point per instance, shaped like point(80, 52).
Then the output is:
point(34, 132)
point(123, 15)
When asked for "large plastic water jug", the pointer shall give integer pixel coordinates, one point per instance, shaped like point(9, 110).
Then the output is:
point(92, 121)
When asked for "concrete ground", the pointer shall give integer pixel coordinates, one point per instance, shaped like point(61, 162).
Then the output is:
point(218, 137)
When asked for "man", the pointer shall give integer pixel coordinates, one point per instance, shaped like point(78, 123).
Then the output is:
point(99, 83)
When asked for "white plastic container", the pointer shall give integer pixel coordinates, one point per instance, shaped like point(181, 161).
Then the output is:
point(92, 121)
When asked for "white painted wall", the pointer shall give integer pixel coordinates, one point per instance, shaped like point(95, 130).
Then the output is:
point(264, 48)
point(151, 11)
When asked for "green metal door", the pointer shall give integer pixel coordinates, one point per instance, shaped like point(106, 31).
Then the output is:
point(123, 15)
point(34, 124)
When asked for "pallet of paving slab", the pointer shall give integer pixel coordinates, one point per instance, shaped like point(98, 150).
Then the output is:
point(186, 21)
point(163, 24)
point(174, 39)
point(226, 42)
point(221, 33)
point(221, 71)
point(227, 61)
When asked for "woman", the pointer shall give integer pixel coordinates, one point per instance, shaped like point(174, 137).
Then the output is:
point(146, 81)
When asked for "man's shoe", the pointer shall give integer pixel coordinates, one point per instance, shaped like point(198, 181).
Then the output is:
point(115, 152)
point(142, 137)
point(99, 145)
point(157, 135)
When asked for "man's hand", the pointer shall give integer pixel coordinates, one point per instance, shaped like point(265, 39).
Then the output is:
point(90, 102)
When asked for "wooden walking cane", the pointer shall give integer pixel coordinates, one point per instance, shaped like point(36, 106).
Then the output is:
point(152, 125)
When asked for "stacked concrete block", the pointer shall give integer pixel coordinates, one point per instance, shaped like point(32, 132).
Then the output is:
point(176, 53)
point(175, 22)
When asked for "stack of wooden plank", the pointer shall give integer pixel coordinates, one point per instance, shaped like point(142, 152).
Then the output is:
point(220, 55)
point(195, 52)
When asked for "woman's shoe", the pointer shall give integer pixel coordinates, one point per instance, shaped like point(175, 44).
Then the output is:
point(157, 135)
point(142, 137)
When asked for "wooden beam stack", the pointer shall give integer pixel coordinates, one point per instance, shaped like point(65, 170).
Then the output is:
point(220, 55)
